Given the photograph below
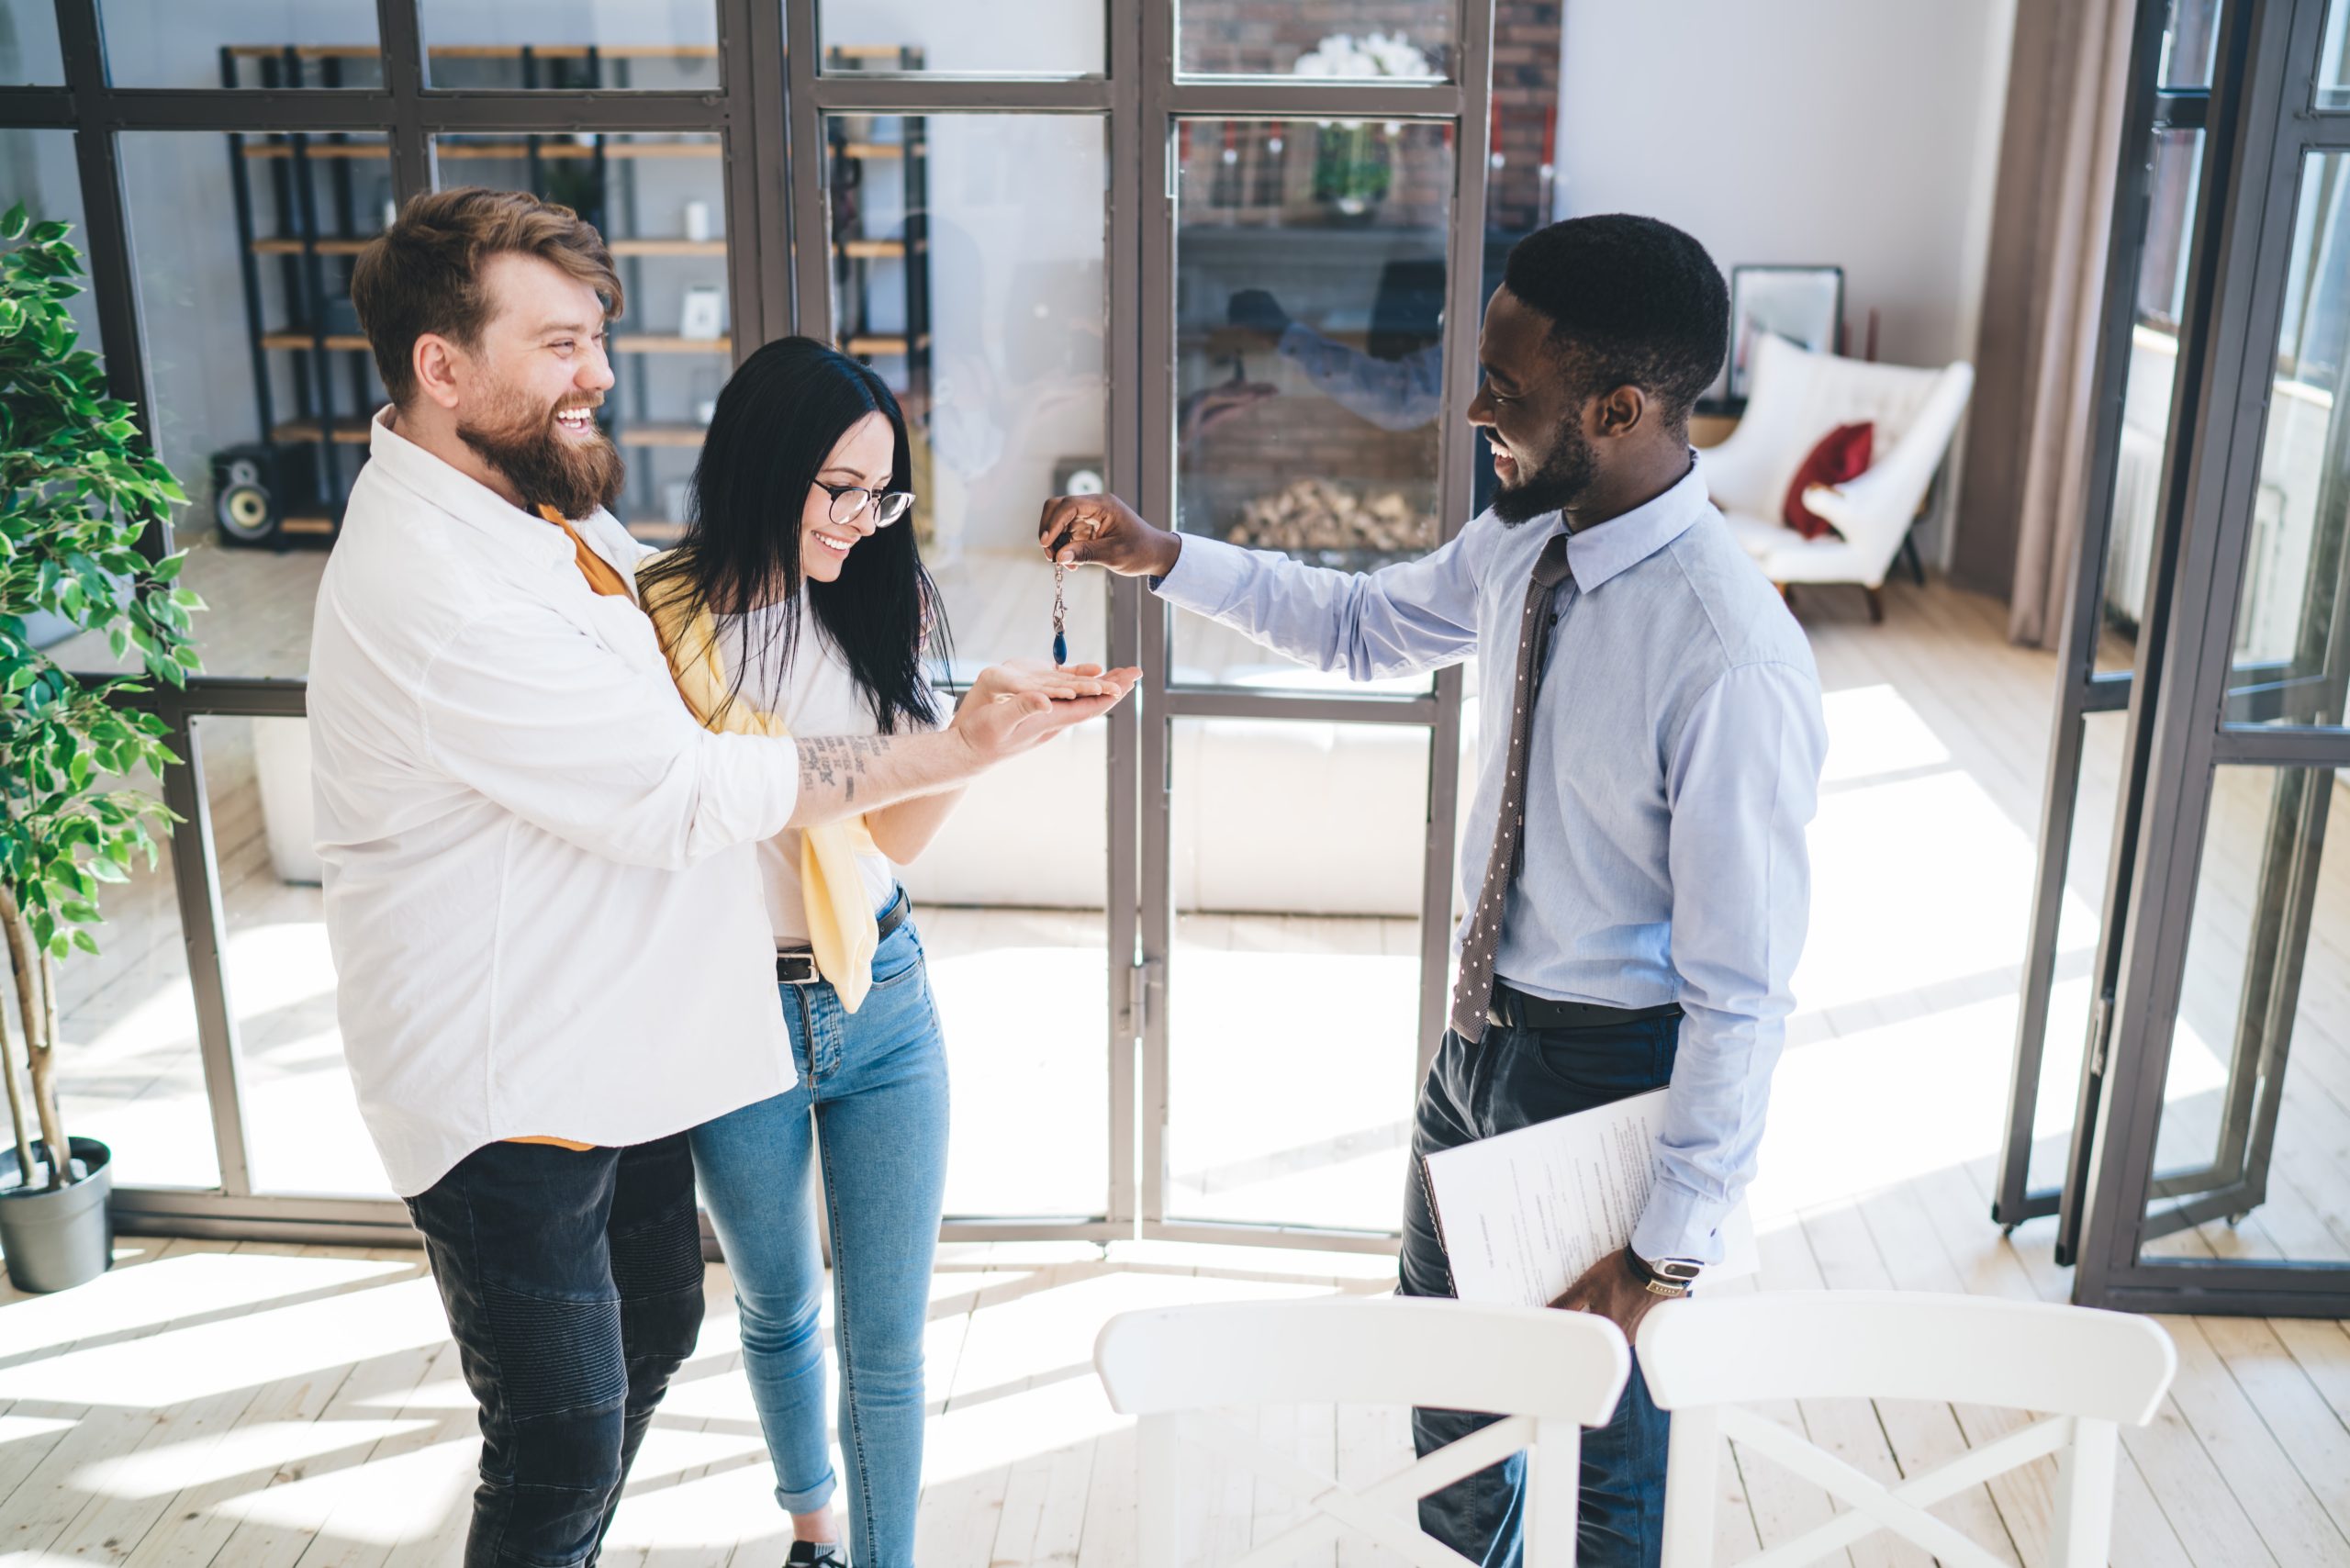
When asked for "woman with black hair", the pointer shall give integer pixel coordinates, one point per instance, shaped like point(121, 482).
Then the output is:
point(797, 604)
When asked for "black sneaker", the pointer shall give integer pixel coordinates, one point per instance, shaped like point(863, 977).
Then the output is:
point(815, 1555)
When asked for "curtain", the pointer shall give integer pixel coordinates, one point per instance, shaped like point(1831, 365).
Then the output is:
point(2026, 461)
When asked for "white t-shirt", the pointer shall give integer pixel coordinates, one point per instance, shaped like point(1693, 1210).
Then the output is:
point(816, 695)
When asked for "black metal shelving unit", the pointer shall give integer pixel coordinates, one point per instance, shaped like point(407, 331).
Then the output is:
point(859, 256)
point(307, 214)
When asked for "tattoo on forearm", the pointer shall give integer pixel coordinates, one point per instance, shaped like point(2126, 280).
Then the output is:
point(839, 760)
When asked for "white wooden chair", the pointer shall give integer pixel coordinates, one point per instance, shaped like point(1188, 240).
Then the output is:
point(2081, 1372)
point(1548, 1373)
point(1796, 398)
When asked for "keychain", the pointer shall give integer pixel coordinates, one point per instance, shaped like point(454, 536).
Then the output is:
point(1060, 605)
point(1060, 616)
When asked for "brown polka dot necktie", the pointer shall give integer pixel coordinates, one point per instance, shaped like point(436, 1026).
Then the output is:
point(1474, 991)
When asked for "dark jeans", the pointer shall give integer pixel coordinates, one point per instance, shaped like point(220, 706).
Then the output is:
point(1513, 1079)
point(573, 1281)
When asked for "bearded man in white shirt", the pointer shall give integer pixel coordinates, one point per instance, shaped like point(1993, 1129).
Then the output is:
point(540, 885)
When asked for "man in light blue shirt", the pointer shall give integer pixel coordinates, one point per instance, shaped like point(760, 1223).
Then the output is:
point(1654, 900)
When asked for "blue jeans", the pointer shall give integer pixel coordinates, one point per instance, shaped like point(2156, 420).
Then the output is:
point(573, 1283)
point(1513, 1079)
point(872, 1100)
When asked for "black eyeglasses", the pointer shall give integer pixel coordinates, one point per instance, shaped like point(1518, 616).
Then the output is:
point(848, 501)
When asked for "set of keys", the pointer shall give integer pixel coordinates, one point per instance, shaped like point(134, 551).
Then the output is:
point(1061, 615)
point(1060, 601)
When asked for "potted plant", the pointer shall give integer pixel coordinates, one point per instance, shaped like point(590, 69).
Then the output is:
point(77, 488)
point(1354, 161)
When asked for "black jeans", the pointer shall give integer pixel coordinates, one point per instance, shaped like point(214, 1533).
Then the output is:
point(573, 1281)
point(1513, 1079)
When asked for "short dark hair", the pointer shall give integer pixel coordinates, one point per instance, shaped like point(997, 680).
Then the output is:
point(1635, 303)
point(424, 274)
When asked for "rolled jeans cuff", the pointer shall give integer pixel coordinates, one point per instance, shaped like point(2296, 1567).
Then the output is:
point(810, 1500)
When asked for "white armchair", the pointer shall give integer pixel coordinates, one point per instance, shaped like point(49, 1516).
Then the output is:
point(1796, 398)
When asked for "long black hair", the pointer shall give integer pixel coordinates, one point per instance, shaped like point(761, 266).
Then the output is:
point(777, 421)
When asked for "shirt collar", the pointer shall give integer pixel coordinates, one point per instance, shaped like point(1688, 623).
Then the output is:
point(1625, 541)
point(467, 500)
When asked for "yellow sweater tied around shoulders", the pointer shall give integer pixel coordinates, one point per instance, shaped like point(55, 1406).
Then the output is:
point(842, 929)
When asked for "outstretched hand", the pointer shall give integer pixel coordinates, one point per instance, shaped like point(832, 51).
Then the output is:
point(1016, 707)
point(1103, 530)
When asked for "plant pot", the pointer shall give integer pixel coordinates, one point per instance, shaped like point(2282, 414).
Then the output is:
point(58, 1237)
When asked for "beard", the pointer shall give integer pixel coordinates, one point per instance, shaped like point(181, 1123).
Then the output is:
point(1565, 473)
point(521, 440)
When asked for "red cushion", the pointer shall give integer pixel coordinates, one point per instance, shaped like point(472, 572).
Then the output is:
point(1842, 455)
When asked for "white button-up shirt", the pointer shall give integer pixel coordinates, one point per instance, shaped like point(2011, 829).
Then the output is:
point(541, 885)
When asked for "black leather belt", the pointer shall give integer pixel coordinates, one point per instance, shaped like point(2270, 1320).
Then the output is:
point(797, 966)
point(1513, 1009)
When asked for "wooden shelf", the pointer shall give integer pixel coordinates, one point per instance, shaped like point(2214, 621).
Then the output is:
point(333, 247)
point(348, 432)
point(316, 149)
point(876, 150)
point(656, 434)
point(305, 525)
point(669, 247)
point(656, 530)
point(633, 344)
point(870, 248)
point(463, 150)
point(323, 246)
point(304, 341)
point(483, 51)
point(669, 343)
point(884, 344)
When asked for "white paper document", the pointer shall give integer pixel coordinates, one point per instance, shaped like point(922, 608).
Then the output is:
point(1524, 1213)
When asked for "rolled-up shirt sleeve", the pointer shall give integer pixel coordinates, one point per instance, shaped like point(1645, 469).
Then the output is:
point(1413, 616)
point(1742, 784)
point(571, 737)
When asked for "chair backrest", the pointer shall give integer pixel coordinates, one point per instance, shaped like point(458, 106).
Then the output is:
point(1546, 1373)
point(1796, 397)
point(2084, 1371)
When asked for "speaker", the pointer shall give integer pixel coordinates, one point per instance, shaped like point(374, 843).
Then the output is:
point(262, 493)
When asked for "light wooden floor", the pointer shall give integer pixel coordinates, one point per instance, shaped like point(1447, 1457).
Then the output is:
point(232, 1406)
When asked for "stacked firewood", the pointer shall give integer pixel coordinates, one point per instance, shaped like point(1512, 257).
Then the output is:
point(1315, 514)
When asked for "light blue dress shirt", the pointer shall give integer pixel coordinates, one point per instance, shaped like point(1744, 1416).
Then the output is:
point(1676, 748)
point(1393, 393)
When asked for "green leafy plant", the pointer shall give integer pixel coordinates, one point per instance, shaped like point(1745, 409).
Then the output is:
point(78, 487)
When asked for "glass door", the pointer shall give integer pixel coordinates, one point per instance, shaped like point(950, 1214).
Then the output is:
point(962, 235)
point(2217, 1165)
point(2152, 343)
point(1312, 269)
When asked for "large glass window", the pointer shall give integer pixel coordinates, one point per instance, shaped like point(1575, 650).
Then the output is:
point(2146, 393)
point(1011, 38)
point(1310, 286)
point(659, 201)
point(2256, 1092)
point(1294, 1018)
point(263, 43)
point(130, 1071)
point(2293, 649)
point(303, 1131)
point(28, 53)
point(659, 45)
point(1317, 40)
point(967, 270)
point(260, 379)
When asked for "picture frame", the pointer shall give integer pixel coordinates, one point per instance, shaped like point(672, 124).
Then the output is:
point(702, 317)
point(1804, 304)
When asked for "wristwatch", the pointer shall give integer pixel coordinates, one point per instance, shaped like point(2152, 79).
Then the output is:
point(1667, 1277)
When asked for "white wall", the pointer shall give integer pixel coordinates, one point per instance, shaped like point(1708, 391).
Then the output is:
point(1859, 133)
